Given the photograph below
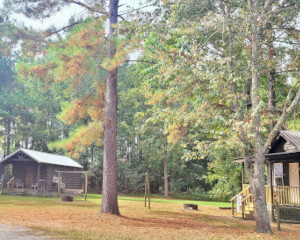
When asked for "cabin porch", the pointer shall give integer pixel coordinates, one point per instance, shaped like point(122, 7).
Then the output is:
point(282, 185)
point(24, 178)
point(286, 197)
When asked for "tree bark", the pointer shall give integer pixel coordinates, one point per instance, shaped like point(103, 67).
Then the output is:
point(271, 95)
point(271, 74)
point(166, 182)
point(109, 188)
point(8, 126)
point(256, 177)
point(8, 136)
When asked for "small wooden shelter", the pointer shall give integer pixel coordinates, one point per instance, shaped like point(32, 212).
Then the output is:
point(283, 179)
point(33, 173)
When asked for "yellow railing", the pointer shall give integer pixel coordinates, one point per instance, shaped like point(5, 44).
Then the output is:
point(245, 193)
point(246, 189)
point(268, 194)
point(247, 199)
point(286, 195)
point(283, 195)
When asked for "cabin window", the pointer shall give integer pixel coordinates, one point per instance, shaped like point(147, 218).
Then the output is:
point(278, 174)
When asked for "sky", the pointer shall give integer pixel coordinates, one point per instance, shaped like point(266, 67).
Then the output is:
point(61, 18)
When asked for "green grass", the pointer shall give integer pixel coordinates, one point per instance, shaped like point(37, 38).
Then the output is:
point(96, 198)
point(93, 197)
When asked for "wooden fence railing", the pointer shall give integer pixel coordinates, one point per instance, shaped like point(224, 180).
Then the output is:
point(244, 193)
point(284, 195)
point(11, 183)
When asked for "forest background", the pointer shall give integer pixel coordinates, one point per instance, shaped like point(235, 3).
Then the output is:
point(175, 114)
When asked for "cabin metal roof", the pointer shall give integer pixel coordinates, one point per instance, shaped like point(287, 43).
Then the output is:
point(46, 158)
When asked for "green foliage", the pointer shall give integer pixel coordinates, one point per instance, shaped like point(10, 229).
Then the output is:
point(178, 101)
point(224, 174)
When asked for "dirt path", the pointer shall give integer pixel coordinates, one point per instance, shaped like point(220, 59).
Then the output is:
point(8, 232)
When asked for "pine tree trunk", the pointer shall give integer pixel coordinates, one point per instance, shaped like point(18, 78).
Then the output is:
point(166, 183)
point(8, 122)
point(8, 128)
point(8, 137)
point(109, 188)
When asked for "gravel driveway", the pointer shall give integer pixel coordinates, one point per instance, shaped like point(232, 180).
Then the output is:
point(8, 232)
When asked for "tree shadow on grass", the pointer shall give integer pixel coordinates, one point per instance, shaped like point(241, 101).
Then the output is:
point(172, 220)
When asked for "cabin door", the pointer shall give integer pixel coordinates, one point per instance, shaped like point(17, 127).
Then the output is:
point(294, 182)
point(29, 177)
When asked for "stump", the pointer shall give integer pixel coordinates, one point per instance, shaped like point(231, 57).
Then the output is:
point(67, 198)
point(188, 206)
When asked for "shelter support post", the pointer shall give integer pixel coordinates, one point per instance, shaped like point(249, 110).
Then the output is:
point(243, 173)
point(243, 210)
point(5, 175)
point(270, 173)
point(58, 184)
point(38, 175)
point(147, 190)
point(86, 185)
point(278, 216)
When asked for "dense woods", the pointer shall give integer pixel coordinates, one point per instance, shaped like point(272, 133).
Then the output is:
point(197, 83)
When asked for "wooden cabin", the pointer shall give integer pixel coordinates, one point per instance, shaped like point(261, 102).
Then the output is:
point(33, 173)
point(282, 183)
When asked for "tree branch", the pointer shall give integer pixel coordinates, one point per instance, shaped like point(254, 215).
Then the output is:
point(92, 9)
point(49, 34)
point(121, 17)
point(144, 61)
point(287, 110)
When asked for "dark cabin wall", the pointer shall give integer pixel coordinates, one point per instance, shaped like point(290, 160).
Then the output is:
point(71, 180)
point(19, 170)
point(278, 146)
point(46, 173)
point(43, 172)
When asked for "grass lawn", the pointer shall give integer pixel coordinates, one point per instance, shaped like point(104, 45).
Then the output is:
point(165, 219)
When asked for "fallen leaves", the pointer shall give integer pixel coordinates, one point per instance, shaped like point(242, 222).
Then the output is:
point(82, 220)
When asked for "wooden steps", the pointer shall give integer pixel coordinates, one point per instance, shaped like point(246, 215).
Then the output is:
point(248, 211)
point(249, 207)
